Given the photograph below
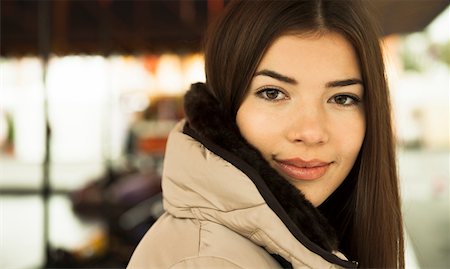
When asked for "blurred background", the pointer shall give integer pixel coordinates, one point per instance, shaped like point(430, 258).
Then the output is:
point(90, 89)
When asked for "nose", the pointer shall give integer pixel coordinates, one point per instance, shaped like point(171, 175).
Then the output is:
point(308, 126)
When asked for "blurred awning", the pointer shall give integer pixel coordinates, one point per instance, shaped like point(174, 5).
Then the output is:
point(144, 26)
point(407, 16)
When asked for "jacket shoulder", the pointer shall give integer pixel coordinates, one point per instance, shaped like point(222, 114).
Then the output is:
point(168, 241)
point(190, 243)
point(233, 247)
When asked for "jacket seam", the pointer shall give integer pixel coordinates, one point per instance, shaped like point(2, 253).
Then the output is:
point(201, 257)
point(254, 232)
point(199, 236)
point(215, 209)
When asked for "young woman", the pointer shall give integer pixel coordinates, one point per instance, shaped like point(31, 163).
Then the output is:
point(286, 158)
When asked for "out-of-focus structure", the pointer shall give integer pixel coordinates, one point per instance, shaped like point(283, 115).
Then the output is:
point(103, 27)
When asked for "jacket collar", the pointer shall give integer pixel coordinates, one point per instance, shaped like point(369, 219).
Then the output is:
point(207, 124)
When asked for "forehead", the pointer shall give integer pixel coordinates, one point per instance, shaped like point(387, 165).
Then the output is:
point(329, 53)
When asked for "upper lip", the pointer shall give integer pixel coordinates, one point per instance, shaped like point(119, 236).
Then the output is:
point(298, 162)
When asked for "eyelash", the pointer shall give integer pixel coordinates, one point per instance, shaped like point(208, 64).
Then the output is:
point(262, 93)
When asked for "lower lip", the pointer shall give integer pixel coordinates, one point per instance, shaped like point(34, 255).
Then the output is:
point(303, 173)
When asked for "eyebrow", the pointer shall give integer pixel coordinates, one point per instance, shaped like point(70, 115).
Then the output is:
point(343, 83)
point(276, 76)
point(331, 84)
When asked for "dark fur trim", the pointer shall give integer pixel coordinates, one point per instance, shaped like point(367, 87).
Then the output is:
point(204, 115)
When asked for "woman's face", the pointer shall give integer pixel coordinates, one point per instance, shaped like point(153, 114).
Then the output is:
point(304, 111)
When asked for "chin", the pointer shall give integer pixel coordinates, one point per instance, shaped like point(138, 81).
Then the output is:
point(316, 203)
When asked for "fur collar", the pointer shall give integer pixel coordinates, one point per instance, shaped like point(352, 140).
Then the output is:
point(205, 117)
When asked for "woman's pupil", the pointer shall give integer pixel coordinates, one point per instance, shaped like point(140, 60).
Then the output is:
point(272, 94)
point(340, 99)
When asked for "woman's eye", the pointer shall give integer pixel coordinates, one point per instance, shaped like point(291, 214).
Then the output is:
point(271, 94)
point(345, 100)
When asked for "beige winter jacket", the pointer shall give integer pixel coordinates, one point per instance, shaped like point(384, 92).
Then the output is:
point(216, 218)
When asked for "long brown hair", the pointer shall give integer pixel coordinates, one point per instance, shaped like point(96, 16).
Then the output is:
point(368, 216)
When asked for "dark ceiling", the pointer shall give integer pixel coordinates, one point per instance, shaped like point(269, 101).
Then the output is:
point(148, 26)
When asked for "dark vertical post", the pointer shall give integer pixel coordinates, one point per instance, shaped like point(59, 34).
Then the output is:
point(105, 50)
point(44, 52)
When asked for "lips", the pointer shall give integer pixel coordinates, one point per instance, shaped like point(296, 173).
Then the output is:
point(302, 170)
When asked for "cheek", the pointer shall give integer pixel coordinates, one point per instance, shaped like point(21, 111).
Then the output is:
point(351, 136)
point(257, 128)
